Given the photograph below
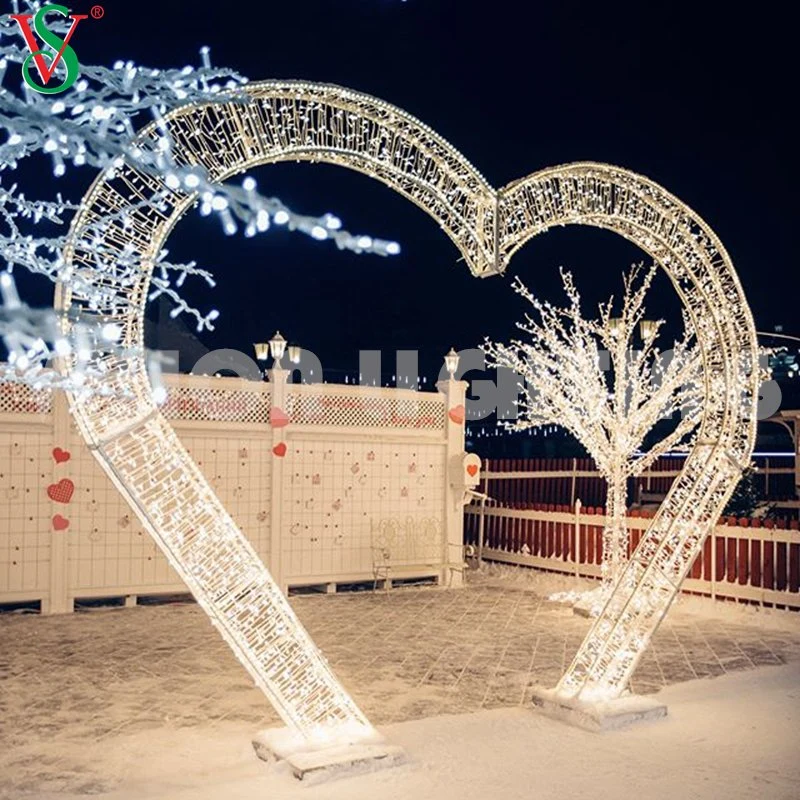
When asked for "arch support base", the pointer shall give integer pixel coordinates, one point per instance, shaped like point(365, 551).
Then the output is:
point(316, 763)
point(599, 715)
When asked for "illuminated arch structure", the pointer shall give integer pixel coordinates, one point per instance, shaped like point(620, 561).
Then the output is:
point(292, 120)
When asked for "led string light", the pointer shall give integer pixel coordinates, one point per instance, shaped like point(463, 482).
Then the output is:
point(363, 133)
point(94, 125)
point(131, 213)
point(703, 276)
point(586, 377)
point(184, 156)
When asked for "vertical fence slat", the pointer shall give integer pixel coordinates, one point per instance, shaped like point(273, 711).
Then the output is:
point(742, 556)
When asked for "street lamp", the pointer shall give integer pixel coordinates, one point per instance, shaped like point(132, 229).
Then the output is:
point(294, 353)
point(277, 347)
point(262, 350)
point(647, 329)
point(451, 363)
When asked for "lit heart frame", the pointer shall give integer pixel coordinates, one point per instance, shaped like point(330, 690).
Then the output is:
point(300, 121)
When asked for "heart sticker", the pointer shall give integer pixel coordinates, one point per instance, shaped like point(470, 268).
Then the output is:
point(457, 414)
point(472, 470)
point(280, 449)
point(60, 456)
point(278, 418)
point(60, 523)
point(62, 491)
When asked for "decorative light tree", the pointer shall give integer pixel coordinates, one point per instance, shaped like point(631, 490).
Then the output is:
point(92, 126)
point(586, 376)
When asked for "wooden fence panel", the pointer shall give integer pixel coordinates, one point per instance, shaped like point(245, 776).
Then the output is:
point(741, 556)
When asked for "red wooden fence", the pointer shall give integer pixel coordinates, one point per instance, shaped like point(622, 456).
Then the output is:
point(746, 559)
point(564, 480)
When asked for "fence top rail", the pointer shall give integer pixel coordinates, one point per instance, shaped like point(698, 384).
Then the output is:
point(319, 388)
point(568, 472)
point(358, 391)
point(754, 529)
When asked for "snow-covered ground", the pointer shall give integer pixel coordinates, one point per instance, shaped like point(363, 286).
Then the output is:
point(734, 737)
point(148, 702)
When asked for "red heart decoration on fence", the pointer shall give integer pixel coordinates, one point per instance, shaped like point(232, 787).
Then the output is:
point(457, 414)
point(280, 449)
point(278, 418)
point(60, 523)
point(62, 491)
point(472, 470)
point(60, 455)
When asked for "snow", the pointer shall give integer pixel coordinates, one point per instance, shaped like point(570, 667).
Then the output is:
point(733, 737)
point(148, 702)
point(553, 584)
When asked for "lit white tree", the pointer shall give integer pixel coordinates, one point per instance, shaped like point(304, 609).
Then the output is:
point(92, 127)
point(586, 376)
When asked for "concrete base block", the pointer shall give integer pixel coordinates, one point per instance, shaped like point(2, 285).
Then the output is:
point(590, 605)
point(583, 609)
point(312, 764)
point(601, 716)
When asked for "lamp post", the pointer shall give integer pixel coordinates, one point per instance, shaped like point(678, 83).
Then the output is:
point(277, 347)
point(262, 354)
point(647, 329)
point(451, 363)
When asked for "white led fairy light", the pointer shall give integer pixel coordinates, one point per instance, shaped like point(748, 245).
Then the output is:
point(300, 121)
point(591, 377)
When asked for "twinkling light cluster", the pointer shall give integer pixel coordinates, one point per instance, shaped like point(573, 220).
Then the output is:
point(591, 377)
point(92, 126)
point(131, 439)
point(292, 120)
point(704, 278)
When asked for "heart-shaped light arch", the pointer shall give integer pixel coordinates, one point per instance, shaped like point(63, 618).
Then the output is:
point(291, 120)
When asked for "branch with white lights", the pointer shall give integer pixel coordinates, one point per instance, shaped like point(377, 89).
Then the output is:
point(587, 376)
point(94, 125)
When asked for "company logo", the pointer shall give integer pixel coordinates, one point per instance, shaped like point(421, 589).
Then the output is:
point(58, 49)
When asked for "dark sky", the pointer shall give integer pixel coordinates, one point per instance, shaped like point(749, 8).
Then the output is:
point(697, 97)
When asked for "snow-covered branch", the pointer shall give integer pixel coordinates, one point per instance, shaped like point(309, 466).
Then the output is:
point(92, 127)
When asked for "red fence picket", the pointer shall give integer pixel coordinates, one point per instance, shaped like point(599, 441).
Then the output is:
point(754, 560)
point(557, 488)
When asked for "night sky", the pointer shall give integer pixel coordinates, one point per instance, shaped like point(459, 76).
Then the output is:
point(700, 102)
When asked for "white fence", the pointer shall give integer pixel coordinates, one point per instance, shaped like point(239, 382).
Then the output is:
point(307, 471)
point(752, 560)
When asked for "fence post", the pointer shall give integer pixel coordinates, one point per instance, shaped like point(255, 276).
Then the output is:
point(280, 436)
point(480, 529)
point(574, 477)
point(576, 550)
point(59, 600)
point(714, 560)
point(454, 395)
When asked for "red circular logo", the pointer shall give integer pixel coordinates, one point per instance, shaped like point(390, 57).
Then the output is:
point(97, 12)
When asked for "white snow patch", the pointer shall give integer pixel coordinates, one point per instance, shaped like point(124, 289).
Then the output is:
point(735, 737)
point(564, 588)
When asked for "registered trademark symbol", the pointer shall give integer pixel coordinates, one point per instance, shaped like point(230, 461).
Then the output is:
point(97, 12)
